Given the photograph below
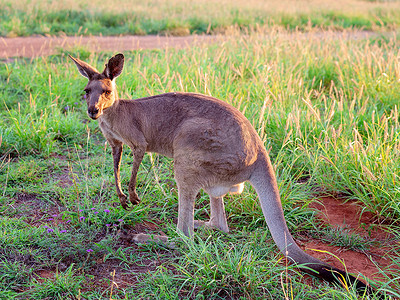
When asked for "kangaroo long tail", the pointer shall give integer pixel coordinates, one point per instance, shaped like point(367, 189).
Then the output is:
point(264, 182)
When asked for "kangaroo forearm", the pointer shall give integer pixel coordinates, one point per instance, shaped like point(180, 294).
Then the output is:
point(138, 154)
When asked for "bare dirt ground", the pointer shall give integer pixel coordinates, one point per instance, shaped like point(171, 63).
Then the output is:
point(44, 46)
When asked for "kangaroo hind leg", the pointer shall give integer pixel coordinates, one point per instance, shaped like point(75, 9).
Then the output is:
point(217, 209)
point(217, 215)
point(186, 199)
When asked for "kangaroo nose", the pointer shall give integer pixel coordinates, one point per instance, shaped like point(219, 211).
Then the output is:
point(92, 112)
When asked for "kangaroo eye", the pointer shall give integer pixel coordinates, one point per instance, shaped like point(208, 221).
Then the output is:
point(107, 93)
point(86, 94)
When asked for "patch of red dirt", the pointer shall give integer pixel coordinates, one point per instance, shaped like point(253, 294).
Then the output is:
point(349, 216)
point(46, 274)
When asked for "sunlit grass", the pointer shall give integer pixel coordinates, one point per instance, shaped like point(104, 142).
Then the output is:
point(325, 105)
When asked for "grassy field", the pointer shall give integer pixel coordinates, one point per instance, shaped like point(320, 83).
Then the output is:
point(327, 109)
point(182, 17)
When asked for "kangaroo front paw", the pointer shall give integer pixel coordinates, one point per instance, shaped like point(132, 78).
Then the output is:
point(134, 198)
point(123, 200)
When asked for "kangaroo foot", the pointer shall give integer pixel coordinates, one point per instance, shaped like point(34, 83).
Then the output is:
point(142, 238)
point(208, 224)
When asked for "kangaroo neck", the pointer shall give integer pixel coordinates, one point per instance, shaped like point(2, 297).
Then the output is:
point(111, 113)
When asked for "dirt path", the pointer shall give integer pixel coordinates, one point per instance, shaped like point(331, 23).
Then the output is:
point(43, 46)
point(36, 46)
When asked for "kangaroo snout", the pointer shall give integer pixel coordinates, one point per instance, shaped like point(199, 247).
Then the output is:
point(93, 113)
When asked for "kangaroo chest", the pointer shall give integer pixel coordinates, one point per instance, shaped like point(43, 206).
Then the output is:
point(108, 131)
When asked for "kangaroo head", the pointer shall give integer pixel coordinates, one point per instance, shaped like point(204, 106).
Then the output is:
point(101, 91)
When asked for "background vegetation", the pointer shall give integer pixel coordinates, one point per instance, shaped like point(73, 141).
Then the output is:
point(181, 17)
point(325, 105)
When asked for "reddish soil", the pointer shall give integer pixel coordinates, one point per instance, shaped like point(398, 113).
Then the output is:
point(36, 210)
point(349, 216)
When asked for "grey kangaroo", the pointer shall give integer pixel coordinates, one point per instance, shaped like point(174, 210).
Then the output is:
point(214, 147)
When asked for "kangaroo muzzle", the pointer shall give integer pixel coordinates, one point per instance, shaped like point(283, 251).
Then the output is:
point(93, 112)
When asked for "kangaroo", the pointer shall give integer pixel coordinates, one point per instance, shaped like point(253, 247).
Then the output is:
point(214, 147)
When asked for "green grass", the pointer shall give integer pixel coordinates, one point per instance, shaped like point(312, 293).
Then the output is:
point(327, 109)
point(182, 17)
point(346, 238)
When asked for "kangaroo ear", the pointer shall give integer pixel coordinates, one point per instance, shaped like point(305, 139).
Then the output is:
point(85, 69)
point(114, 66)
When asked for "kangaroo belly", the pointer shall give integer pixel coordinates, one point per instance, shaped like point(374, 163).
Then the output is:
point(222, 190)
